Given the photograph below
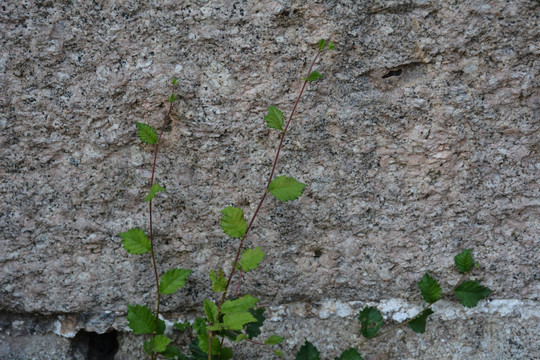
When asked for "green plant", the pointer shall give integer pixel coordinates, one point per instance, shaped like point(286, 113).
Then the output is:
point(238, 318)
point(141, 319)
point(468, 292)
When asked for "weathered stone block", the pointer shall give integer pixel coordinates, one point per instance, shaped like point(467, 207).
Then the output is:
point(420, 141)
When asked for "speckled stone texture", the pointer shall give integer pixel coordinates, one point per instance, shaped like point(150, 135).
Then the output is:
point(421, 140)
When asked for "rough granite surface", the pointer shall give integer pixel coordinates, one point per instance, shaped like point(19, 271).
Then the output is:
point(421, 140)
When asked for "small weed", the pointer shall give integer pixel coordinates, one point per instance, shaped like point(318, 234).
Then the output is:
point(234, 319)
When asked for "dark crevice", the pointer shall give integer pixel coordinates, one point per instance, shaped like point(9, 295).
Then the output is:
point(392, 73)
point(94, 346)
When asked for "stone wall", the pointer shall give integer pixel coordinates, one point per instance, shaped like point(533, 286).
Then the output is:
point(421, 140)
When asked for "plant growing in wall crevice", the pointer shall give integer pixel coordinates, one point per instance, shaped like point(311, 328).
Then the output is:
point(141, 319)
point(231, 318)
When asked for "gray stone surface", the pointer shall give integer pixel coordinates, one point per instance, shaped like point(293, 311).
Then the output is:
point(421, 140)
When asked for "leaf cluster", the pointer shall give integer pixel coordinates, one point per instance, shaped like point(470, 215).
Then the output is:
point(468, 293)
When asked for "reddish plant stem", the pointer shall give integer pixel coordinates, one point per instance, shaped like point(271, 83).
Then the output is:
point(154, 263)
point(241, 245)
point(238, 285)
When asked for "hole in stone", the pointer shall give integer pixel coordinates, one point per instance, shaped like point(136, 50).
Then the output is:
point(392, 73)
point(94, 346)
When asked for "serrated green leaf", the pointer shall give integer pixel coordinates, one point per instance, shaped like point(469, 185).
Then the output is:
point(196, 352)
point(285, 188)
point(251, 258)
point(199, 325)
point(182, 326)
point(350, 354)
point(172, 98)
point(172, 280)
point(237, 320)
point(274, 118)
point(203, 344)
point(233, 222)
point(160, 329)
point(158, 343)
point(418, 325)
point(331, 46)
point(174, 81)
point(135, 241)
point(470, 292)
point(214, 327)
point(321, 44)
point(313, 76)
point(308, 352)
point(254, 329)
point(225, 353)
point(464, 261)
point(171, 352)
point(146, 347)
point(140, 319)
point(274, 340)
point(239, 305)
point(153, 191)
point(211, 311)
point(146, 133)
point(370, 321)
point(430, 288)
point(231, 335)
point(278, 353)
point(241, 337)
point(219, 283)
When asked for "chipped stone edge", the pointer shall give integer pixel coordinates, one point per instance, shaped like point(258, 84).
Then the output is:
point(395, 309)
point(400, 309)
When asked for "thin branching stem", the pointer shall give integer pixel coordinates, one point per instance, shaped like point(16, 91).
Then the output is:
point(263, 197)
point(154, 263)
point(241, 245)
